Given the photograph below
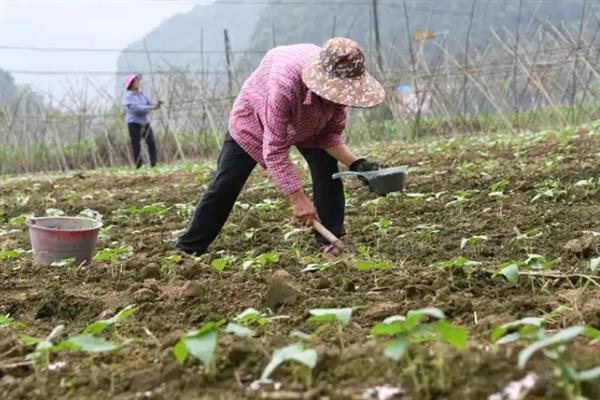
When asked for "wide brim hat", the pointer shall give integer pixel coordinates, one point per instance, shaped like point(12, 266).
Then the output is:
point(339, 75)
point(129, 79)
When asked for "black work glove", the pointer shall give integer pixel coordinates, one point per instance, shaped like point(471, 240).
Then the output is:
point(363, 165)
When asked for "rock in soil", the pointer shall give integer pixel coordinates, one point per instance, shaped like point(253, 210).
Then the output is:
point(282, 290)
point(580, 247)
point(151, 271)
point(323, 283)
point(380, 310)
point(192, 289)
point(143, 295)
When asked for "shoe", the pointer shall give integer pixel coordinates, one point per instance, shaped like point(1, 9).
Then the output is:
point(187, 252)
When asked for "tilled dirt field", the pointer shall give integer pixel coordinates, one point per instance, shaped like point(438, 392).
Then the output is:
point(457, 189)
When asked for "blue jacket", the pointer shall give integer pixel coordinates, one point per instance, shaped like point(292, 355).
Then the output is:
point(137, 106)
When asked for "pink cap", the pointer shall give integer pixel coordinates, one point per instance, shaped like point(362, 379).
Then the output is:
point(128, 79)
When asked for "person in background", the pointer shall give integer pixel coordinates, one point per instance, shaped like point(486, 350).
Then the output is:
point(137, 107)
point(296, 97)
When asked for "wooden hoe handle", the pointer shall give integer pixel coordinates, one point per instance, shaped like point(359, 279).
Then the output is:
point(326, 233)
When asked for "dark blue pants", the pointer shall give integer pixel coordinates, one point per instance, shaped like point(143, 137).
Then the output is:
point(137, 132)
point(234, 168)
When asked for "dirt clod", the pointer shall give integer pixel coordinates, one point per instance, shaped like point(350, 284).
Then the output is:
point(192, 289)
point(282, 289)
point(151, 271)
point(580, 247)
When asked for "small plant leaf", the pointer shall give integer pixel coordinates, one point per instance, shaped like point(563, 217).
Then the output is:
point(239, 330)
point(457, 336)
point(392, 328)
point(91, 344)
point(30, 340)
point(342, 315)
point(395, 349)
point(511, 273)
point(591, 333)
point(219, 264)
point(588, 375)
point(180, 351)
point(296, 334)
point(65, 262)
point(500, 331)
point(372, 265)
point(430, 311)
point(562, 336)
point(594, 264)
point(202, 346)
point(98, 327)
point(511, 337)
point(295, 352)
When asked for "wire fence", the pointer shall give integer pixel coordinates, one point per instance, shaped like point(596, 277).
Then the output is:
point(545, 76)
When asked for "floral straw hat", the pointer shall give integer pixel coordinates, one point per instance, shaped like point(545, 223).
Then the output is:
point(339, 75)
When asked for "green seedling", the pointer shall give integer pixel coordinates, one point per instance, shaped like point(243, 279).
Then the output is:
point(383, 226)
point(268, 205)
point(242, 206)
point(200, 343)
point(151, 210)
point(91, 214)
point(296, 353)
point(96, 328)
point(220, 264)
point(460, 197)
point(555, 347)
point(594, 264)
point(250, 233)
point(65, 262)
point(106, 233)
point(497, 192)
point(474, 242)
point(6, 321)
point(459, 263)
point(261, 261)
point(511, 269)
point(113, 255)
point(500, 186)
point(375, 266)
point(413, 330)
point(290, 232)
point(467, 168)
point(11, 255)
point(44, 346)
point(184, 210)
point(552, 190)
point(22, 199)
point(19, 221)
point(423, 232)
point(312, 267)
point(239, 330)
point(253, 317)
point(169, 262)
point(54, 212)
point(340, 317)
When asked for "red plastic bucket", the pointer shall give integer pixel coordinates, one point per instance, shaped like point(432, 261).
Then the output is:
point(59, 238)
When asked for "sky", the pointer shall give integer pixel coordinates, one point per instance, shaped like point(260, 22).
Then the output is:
point(75, 24)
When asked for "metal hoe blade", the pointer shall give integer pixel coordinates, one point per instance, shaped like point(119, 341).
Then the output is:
point(382, 181)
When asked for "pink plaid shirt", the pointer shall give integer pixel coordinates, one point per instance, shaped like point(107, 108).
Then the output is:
point(275, 111)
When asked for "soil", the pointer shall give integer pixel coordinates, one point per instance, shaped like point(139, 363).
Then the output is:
point(425, 228)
